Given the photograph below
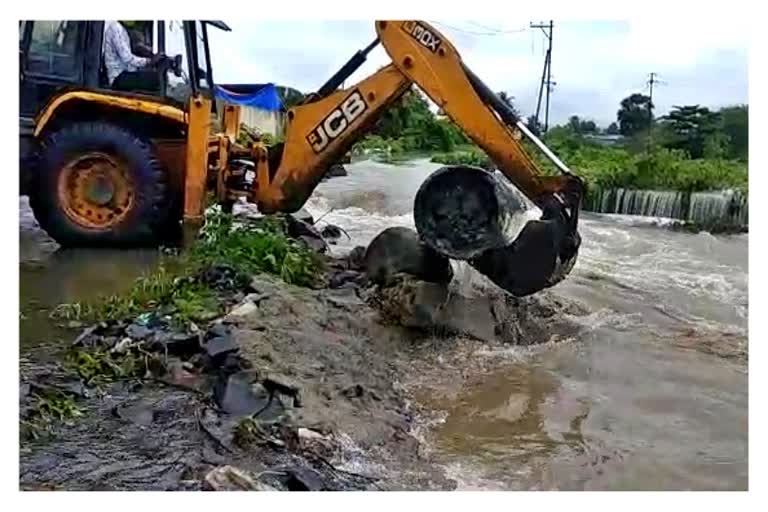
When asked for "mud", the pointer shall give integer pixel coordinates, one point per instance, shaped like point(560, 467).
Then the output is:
point(326, 399)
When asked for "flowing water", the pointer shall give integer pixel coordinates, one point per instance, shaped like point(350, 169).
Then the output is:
point(651, 395)
point(724, 206)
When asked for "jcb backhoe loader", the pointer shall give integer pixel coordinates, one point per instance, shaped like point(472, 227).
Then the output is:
point(107, 167)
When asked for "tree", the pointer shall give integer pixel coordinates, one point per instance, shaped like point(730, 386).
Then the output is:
point(735, 124)
point(633, 115)
point(509, 100)
point(613, 129)
point(581, 126)
point(695, 128)
point(574, 123)
point(588, 126)
point(534, 125)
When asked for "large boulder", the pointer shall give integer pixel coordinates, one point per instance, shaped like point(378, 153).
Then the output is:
point(399, 250)
point(307, 233)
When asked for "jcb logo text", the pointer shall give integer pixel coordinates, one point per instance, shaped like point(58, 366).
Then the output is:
point(337, 121)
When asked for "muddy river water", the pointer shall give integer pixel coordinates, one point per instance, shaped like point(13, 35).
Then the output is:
point(652, 394)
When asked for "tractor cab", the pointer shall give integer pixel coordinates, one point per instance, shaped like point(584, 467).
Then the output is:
point(107, 161)
point(55, 55)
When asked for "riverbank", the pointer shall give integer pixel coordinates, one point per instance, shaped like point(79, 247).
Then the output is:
point(292, 387)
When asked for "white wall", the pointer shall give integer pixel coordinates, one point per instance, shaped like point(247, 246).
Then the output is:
point(260, 120)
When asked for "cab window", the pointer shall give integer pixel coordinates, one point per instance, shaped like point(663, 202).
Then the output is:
point(52, 48)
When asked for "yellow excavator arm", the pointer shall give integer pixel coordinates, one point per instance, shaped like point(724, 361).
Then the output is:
point(326, 124)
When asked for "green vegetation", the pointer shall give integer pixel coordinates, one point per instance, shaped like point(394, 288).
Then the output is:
point(410, 128)
point(660, 168)
point(177, 287)
point(471, 155)
point(98, 367)
point(246, 136)
point(50, 407)
point(689, 149)
point(263, 247)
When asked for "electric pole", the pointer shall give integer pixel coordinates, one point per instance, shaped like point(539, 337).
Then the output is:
point(546, 75)
point(652, 79)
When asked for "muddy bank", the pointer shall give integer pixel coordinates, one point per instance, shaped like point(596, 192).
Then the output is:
point(293, 389)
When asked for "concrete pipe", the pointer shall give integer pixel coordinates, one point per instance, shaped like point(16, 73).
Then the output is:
point(470, 214)
point(462, 211)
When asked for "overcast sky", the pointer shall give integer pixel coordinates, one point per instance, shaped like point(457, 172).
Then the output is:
point(594, 64)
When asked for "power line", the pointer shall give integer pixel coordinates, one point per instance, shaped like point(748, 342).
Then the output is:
point(500, 30)
point(475, 33)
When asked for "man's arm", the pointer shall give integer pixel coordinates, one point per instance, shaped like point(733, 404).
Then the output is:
point(122, 45)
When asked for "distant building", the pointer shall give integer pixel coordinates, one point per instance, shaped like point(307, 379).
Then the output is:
point(262, 108)
point(604, 139)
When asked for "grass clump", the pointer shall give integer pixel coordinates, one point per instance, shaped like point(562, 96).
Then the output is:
point(50, 407)
point(264, 247)
point(471, 156)
point(177, 289)
point(99, 367)
point(171, 292)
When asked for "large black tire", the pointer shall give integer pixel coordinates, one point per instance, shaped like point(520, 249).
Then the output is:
point(143, 223)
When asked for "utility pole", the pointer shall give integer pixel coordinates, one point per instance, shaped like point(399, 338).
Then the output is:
point(652, 79)
point(546, 75)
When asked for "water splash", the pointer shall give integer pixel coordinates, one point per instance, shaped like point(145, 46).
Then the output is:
point(726, 206)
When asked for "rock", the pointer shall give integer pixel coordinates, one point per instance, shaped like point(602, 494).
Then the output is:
point(306, 434)
point(346, 276)
point(140, 413)
point(399, 250)
point(356, 258)
point(230, 478)
point(307, 233)
point(76, 388)
point(24, 391)
point(304, 479)
point(239, 395)
point(138, 332)
point(331, 231)
point(277, 383)
point(221, 345)
point(410, 302)
point(179, 375)
point(224, 277)
point(336, 171)
point(316, 244)
point(344, 298)
point(356, 391)
point(243, 309)
point(304, 216)
point(218, 329)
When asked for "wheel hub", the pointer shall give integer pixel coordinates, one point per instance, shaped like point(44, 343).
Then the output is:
point(95, 190)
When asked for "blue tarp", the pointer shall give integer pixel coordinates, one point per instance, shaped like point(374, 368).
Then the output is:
point(264, 97)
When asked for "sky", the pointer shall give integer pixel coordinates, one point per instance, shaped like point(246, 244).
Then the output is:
point(595, 64)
